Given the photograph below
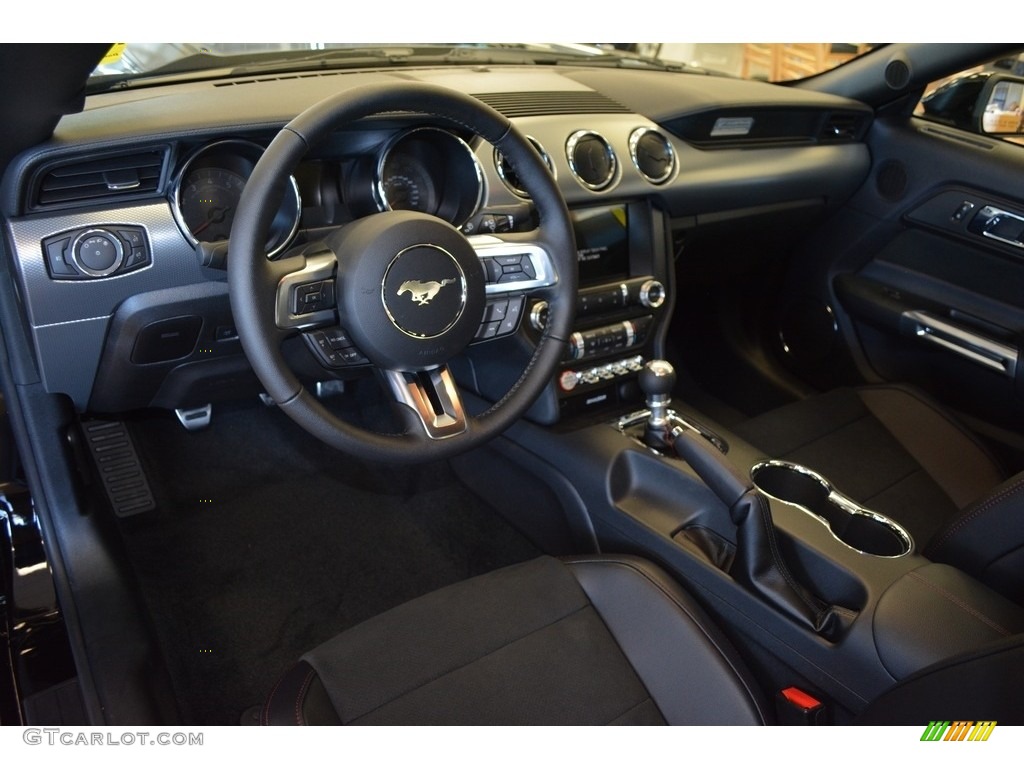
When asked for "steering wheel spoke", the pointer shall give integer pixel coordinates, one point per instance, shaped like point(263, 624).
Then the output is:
point(306, 295)
point(434, 398)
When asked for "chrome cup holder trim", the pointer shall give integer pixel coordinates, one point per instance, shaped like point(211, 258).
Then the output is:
point(837, 500)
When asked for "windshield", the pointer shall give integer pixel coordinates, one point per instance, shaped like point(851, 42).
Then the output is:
point(132, 63)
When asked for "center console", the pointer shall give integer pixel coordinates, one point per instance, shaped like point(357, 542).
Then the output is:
point(624, 303)
point(815, 589)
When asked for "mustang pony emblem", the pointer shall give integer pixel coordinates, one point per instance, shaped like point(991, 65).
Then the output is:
point(422, 292)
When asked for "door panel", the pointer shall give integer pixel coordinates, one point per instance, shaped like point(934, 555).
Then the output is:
point(920, 289)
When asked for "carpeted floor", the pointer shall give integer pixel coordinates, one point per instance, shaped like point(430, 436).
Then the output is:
point(266, 543)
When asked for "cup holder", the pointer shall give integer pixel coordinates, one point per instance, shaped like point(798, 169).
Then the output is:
point(860, 529)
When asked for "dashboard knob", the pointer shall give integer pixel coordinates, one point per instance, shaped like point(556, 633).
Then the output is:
point(578, 345)
point(539, 315)
point(97, 252)
point(652, 294)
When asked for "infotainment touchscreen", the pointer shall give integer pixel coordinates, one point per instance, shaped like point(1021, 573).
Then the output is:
point(602, 243)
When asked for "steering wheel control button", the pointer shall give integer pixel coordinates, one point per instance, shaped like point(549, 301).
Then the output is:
point(337, 338)
point(492, 269)
point(333, 348)
point(511, 320)
point(496, 310)
point(488, 330)
point(501, 318)
point(512, 268)
point(313, 297)
point(424, 291)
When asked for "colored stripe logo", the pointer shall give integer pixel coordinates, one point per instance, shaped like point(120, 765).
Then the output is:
point(959, 730)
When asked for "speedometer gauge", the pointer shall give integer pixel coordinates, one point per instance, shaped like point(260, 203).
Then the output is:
point(429, 170)
point(407, 187)
point(209, 187)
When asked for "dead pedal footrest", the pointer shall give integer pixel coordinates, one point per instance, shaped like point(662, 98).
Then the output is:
point(118, 465)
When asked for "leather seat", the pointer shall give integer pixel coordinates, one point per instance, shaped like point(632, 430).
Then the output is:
point(589, 640)
point(893, 450)
point(586, 640)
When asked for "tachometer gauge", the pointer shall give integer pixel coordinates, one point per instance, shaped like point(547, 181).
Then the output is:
point(208, 200)
point(208, 189)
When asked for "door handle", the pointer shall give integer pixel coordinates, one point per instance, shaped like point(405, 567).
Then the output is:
point(997, 224)
point(982, 350)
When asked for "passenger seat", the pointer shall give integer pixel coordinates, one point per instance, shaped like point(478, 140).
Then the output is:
point(895, 451)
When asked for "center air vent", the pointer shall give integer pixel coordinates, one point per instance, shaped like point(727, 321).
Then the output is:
point(652, 155)
point(97, 178)
point(508, 173)
point(591, 160)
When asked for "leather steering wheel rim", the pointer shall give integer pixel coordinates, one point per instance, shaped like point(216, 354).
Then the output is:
point(253, 279)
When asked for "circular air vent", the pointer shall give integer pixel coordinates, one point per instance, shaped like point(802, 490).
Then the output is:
point(508, 173)
point(652, 155)
point(591, 160)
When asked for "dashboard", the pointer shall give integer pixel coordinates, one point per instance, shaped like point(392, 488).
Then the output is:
point(120, 224)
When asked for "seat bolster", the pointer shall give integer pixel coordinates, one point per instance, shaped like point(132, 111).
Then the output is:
point(299, 698)
point(976, 686)
point(689, 667)
point(987, 536)
point(944, 448)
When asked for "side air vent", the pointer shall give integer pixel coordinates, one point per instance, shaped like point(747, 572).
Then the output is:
point(842, 126)
point(532, 103)
point(508, 173)
point(100, 177)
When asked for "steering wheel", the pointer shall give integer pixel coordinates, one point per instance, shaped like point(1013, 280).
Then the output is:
point(408, 290)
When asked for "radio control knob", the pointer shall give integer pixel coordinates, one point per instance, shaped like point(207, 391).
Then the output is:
point(652, 294)
point(578, 345)
point(539, 315)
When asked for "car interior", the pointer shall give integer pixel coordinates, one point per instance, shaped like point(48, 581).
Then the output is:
point(497, 386)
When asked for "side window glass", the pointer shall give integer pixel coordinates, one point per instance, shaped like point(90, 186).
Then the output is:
point(987, 99)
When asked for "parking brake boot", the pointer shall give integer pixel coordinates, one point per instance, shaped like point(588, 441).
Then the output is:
point(758, 563)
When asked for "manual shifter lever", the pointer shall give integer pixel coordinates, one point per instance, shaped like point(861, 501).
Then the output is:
point(656, 427)
point(657, 380)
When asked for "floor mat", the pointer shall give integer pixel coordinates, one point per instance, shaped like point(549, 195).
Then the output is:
point(266, 543)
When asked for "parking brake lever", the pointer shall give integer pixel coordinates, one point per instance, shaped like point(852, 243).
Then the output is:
point(758, 564)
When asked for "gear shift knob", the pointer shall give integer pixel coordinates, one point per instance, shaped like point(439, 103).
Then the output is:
point(657, 380)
